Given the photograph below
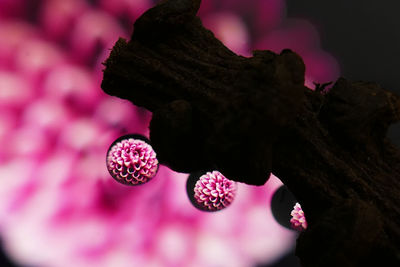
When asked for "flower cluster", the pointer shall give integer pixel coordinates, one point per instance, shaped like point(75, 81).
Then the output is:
point(298, 219)
point(213, 191)
point(132, 161)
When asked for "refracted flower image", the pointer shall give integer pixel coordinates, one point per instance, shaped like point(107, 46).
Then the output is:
point(298, 219)
point(213, 191)
point(59, 205)
point(131, 160)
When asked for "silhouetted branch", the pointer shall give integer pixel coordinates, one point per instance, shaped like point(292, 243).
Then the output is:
point(248, 117)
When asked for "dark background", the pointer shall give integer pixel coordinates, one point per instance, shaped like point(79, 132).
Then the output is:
point(363, 36)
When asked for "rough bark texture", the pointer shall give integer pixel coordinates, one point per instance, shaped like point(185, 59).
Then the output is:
point(248, 117)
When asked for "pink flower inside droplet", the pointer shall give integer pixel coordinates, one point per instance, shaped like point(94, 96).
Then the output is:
point(213, 191)
point(132, 161)
point(298, 220)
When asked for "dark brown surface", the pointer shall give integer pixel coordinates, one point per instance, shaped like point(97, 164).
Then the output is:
point(248, 117)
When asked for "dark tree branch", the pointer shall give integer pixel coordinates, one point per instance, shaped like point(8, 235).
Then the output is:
point(248, 117)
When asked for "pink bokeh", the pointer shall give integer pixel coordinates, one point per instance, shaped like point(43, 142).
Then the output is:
point(58, 204)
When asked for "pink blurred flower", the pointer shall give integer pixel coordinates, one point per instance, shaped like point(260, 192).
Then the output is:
point(300, 36)
point(92, 32)
point(58, 204)
point(126, 8)
point(58, 17)
point(230, 29)
point(259, 24)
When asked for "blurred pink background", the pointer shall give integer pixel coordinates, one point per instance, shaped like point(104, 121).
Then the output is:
point(58, 204)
